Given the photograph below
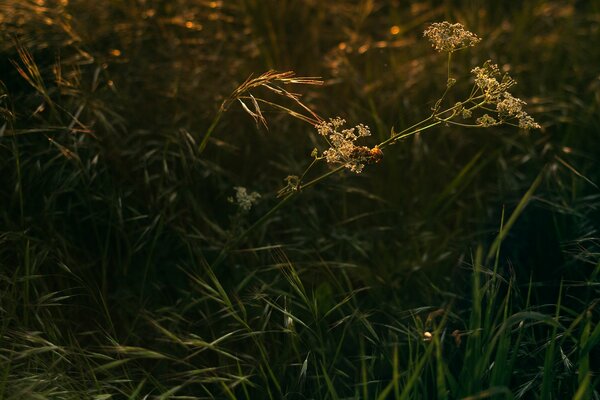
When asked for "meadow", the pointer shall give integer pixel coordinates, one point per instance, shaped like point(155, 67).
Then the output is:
point(184, 215)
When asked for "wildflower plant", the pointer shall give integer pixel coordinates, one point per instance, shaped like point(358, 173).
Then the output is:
point(489, 104)
point(243, 199)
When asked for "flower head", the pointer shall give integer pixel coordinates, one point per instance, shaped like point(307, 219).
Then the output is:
point(445, 36)
point(510, 106)
point(486, 79)
point(486, 121)
point(527, 122)
point(495, 92)
point(244, 199)
point(342, 149)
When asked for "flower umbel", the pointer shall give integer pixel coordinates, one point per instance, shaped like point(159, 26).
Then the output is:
point(495, 93)
point(511, 107)
point(445, 36)
point(343, 150)
point(486, 79)
point(486, 121)
point(244, 199)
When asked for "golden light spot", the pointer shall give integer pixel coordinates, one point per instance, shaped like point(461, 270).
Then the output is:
point(394, 30)
point(418, 8)
point(213, 4)
point(189, 24)
point(342, 46)
point(115, 52)
point(363, 49)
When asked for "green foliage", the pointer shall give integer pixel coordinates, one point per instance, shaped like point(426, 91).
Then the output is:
point(125, 272)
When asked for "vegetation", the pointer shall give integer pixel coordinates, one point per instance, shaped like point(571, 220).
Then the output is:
point(182, 218)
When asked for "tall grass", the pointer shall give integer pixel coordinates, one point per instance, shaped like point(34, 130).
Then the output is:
point(464, 265)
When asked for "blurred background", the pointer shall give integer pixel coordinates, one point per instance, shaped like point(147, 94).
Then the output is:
point(111, 214)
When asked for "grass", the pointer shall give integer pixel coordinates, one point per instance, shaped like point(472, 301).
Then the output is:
point(464, 265)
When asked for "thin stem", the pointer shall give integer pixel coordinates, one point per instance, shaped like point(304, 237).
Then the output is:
point(320, 178)
point(463, 125)
point(412, 126)
point(223, 254)
point(402, 136)
point(314, 161)
point(449, 84)
point(211, 128)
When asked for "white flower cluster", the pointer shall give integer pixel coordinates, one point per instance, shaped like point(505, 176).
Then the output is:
point(244, 199)
point(343, 150)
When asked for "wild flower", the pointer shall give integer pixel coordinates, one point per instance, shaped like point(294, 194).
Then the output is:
point(512, 107)
point(448, 37)
point(496, 94)
point(243, 199)
point(489, 94)
point(485, 121)
point(486, 79)
point(343, 149)
point(527, 122)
